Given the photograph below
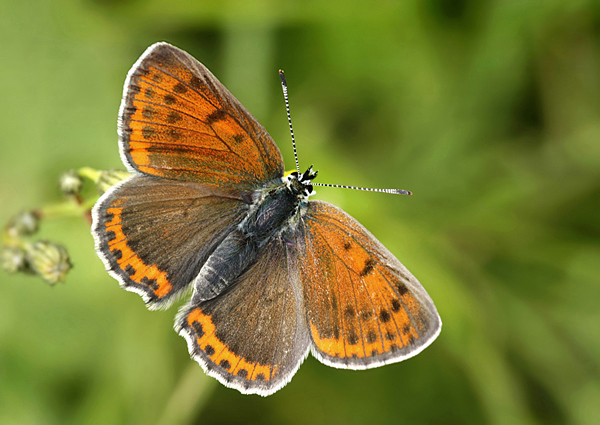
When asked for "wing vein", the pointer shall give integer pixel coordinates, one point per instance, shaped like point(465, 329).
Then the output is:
point(280, 328)
point(343, 330)
point(226, 110)
point(192, 147)
point(352, 234)
point(349, 269)
point(193, 104)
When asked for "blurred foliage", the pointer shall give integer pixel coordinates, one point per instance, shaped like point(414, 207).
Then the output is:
point(489, 111)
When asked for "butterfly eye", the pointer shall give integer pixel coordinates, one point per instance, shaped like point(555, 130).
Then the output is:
point(308, 190)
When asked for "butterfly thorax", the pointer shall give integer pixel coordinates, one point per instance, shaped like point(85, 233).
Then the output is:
point(277, 207)
point(274, 214)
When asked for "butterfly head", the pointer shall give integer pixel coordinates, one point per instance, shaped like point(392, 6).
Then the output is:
point(300, 184)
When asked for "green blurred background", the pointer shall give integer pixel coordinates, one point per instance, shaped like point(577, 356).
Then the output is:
point(489, 111)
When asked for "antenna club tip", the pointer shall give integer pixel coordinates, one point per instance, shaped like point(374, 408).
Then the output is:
point(282, 76)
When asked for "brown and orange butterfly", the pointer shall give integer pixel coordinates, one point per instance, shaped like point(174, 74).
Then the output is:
point(273, 274)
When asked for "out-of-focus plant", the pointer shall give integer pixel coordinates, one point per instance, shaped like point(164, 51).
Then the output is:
point(49, 260)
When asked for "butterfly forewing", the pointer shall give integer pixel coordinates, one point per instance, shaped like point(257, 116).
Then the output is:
point(178, 121)
point(363, 307)
point(155, 234)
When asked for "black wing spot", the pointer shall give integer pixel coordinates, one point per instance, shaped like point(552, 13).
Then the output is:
point(225, 364)
point(390, 336)
point(402, 289)
point(117, 253)
point(349, 311)
point(238, 138)
point(149, 282)
point(149, 133)
point(260, 377)
point(173, 117)
point(198, 329)
point(149, 93)
point(396, 306)
point(110, 236)
point(173, 134)
point(196, 83)
point(170, 99)
point(384, 316)
point(209, 350)
point(130, 110)
point(347, 245)
point(130, 270)
point(157, 78)
point(369, 266)
point(242, 373)
point(371, 337)
point(180, 88)
point(352, 337)
point(149, 112)
point(217, 115)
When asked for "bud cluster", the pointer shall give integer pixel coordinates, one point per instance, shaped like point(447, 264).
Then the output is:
point(47, 259)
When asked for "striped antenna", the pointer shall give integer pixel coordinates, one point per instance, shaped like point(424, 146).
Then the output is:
point(287, 108)
point(368, 189)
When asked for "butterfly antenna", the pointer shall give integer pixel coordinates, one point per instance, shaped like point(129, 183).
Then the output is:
point(368, 189)
point(287, 109)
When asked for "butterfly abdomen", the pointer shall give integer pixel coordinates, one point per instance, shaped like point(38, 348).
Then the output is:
point(239, 250)
point(226, 263)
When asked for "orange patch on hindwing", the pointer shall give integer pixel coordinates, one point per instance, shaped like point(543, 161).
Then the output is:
point(219, 352)
point(128, 260)
point(375, 312)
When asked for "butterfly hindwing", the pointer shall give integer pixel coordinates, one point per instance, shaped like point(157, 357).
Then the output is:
point(253, 336)
point(363, 307)
point(154, 234)
point(178, 121)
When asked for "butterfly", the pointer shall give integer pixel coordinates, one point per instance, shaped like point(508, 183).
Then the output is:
point(273, 275)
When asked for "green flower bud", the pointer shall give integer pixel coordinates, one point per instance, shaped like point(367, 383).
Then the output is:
point(12, 259)
point(49, 260)
point(109, 178)
point(23, 224)
point(70, 183)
